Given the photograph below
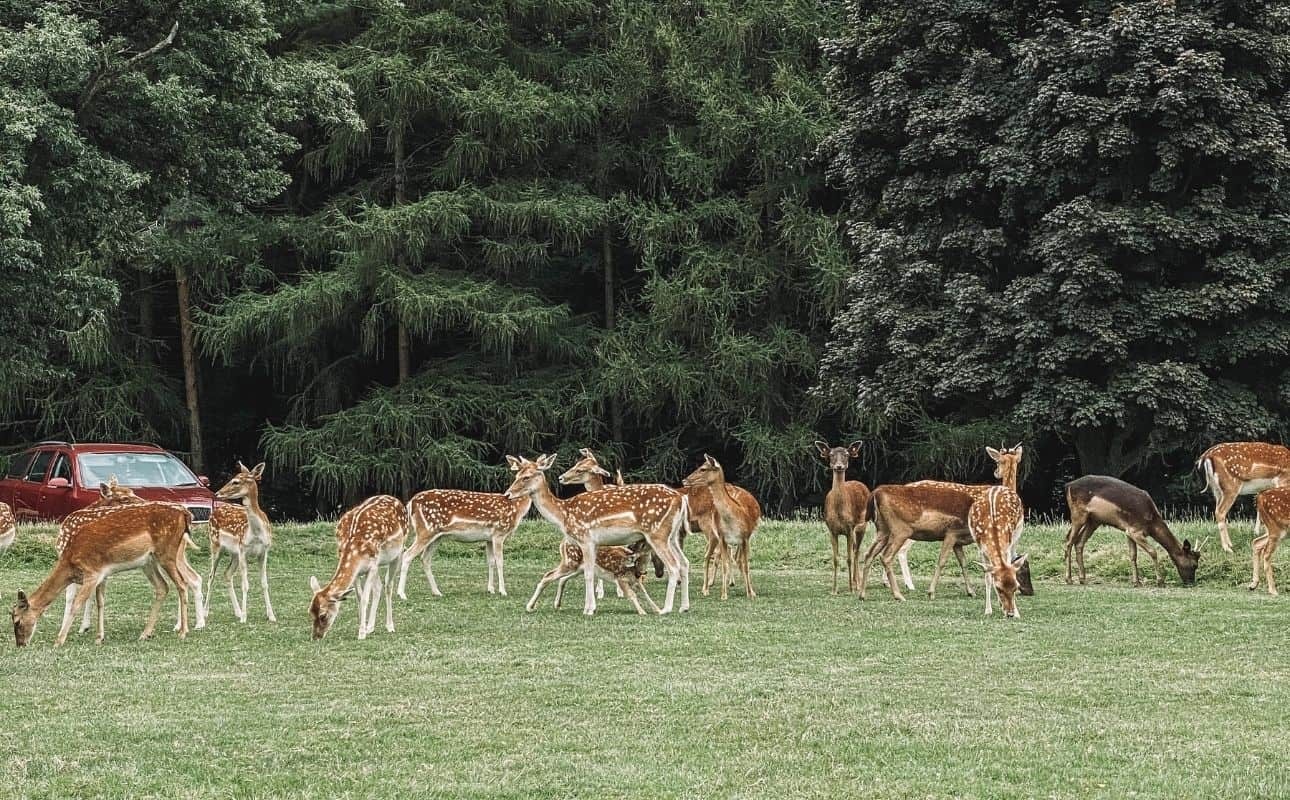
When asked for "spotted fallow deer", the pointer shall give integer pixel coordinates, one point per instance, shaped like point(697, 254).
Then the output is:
point(8, 527)
point(460, 516)
point(622, 565)
point(652, 512)
point(1273, 507)
point(1007, 464)
point(244, 531)
point(995, 521)
point(846, 514)
point(1236, 468)
point(369, 541)
point(130, 537)
point(736, 524)
point(1097, 500)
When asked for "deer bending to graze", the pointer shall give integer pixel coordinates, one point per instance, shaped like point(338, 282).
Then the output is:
point(922, 514)
point(244, 531)
point(369, 541)
point(459, 516)
point(622, 516)
point(1273, 508)
point(622, 565)
point(130, 537)
point(8, 527)
point(1096, 500)
point(995, 521)
point(1007, 464)
point(846, 513)
point(1236, 468)
point(112, 495)
point(735, 525)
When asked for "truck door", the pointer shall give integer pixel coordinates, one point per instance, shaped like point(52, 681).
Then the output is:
point(56, 501)
point(27, 493)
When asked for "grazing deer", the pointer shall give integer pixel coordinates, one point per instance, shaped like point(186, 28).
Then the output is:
point(1236, 468)
point(623, 516)
point(244, 531)
point(1007, 464)
point(923, 514)
point(995, 521)
point(622, 565)
point(8, 527)
point(1273, 506)
point(130, 537)
point(735, 524)
point(1096, 500)
point(846, 514)
point(370, 539)
point(460, 516)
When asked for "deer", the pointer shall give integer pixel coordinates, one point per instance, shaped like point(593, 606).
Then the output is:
point(1096, 500)
point(736, 523)
point(129, 537)
point(461, 516)
point(995, 521)
point(1007, 464)
point(622, 565)
point(652, 512)
point(927, 513)
point(244, 531)
point(370, 538)
point(846, 514)
point(1273, 507)
point(8, 527)
point(1235, 468)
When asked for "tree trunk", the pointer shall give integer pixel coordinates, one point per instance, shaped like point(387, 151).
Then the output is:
point(189, 356)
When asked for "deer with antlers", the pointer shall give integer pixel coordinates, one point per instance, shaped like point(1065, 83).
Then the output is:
point(1235, 468)
point(736, 522)
point(243, 531)
point(622, 565)
point(129, 537)
point(370, 539)
point(652, 512)
point(1273, 506)
point(459, 516)
point(846, 514)
point(995, 521)
point(1096, 500)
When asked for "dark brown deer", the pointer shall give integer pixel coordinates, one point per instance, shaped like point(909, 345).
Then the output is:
point(1097, 500)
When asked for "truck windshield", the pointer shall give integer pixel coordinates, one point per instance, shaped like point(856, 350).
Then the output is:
point(134, 469)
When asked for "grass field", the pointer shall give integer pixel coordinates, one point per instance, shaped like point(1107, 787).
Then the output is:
point(1098, 691)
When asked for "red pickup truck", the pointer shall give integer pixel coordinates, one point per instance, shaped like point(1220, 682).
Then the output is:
point(50, 480)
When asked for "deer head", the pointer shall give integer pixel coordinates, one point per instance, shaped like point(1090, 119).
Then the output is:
point(1007, 460)
point(325, 607)
point(245, 482)
point(581, 471)
point(707, 473)
point(114, 494)
point(1187, 561)
point(530, 476)
point(1006, 584)
point(24, 619)
point(838, 458)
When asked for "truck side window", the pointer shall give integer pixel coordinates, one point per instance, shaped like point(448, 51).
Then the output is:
point(62, 468)
point(18, 466)
point(36, 472)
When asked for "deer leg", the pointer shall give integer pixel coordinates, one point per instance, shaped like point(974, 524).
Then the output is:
point(675, 542)
point(879, 541)
point(600, 589)
point(889, 555)
point(559, 589)
point(589, 575)
point(210, 581)
point(630, 594)
point(1085, 535)
point(69, 598)
point(1227, 493)
point(410, 555)
point(490, 556)
point(159, 591)
point(1133, 562)
point(667, 550)
point(264, 584)
point(389, 597)
point(854, 537)
point(640, 587)
point(833, 540)
point(86, 621)
point(374, 599)
point(726, 559)
point(1257, 559)
point(1268, 551)
point(246, 582)
point(711, 552)
point(500, 562)
point(963, 570)
point(947, 544)
point(1138, 539)
point(749, 592)
point(180, 580)
point(363, 587)
point(195, 585)
point(989, 587)
point(99, 603)
point(78, 602)
point(427, 557)
point(902, 556)
point(229, 569)
point(552, 575)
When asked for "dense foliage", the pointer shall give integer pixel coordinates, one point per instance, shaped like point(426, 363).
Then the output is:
point(1070, 224)
point(381, 244)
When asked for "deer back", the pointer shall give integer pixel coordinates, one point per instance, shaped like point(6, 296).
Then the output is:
point(439, 507)
point(640, 506)
point(127, 533)
point(1249, 461)
point(371, 526)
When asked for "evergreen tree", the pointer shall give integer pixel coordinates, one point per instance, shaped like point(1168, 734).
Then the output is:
point(1069, 223)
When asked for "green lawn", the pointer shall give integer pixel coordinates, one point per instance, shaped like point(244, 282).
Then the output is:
point(1098, 691)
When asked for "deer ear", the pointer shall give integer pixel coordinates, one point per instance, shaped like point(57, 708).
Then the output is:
point(544, 462)
point(823, 448)
point(710, 461)
point(601, 471)
point(1021, 559)
point(585, 452)
point(348, 593)
point(22, 600)
point(1016, 448)
point(241, 467)
point(853, 449)
point(1187, 546)
point(993, 453)
point(104, 490)
point(258, 471)
point(984, 567)
point(514, 463)
point(313, 584)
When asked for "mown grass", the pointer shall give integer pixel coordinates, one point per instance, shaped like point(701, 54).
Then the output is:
point(1098, 691)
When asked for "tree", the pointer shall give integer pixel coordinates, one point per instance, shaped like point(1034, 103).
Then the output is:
point(1069, 222)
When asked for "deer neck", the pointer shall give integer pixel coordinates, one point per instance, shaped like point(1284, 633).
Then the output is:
point(551, 507)
point(1009, 479)
point(1161, 533)
point(721, 498)
point(593, 483)
point(255, 514)
point(50, 589)
point(839, 479)
point(346, 572)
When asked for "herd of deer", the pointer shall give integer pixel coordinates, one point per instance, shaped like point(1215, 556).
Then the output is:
point(608, 528)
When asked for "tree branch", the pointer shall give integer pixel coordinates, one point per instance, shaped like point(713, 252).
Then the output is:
point(105, 73)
